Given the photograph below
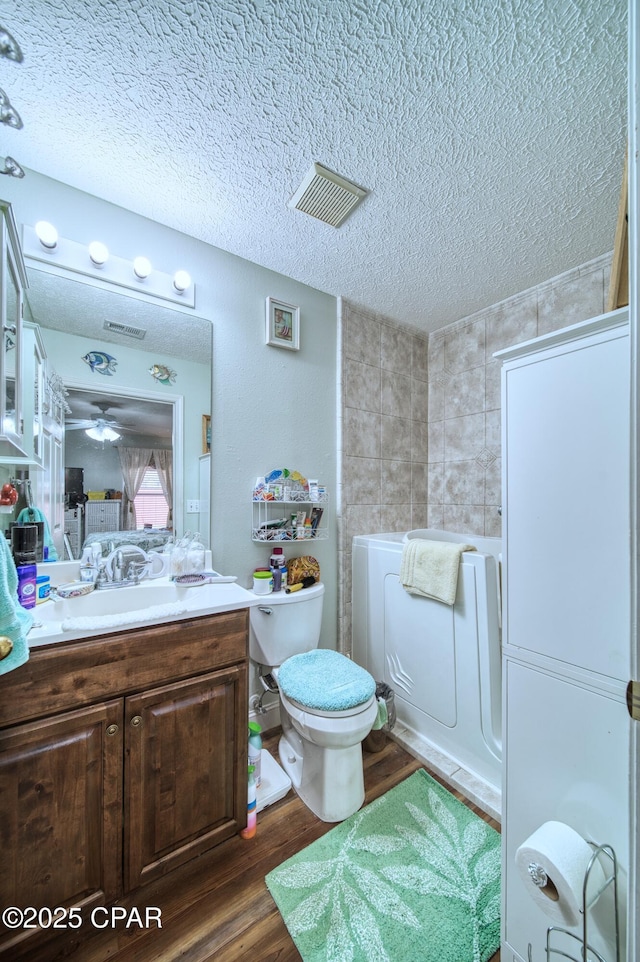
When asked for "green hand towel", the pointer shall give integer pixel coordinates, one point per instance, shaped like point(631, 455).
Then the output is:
point(15, 621)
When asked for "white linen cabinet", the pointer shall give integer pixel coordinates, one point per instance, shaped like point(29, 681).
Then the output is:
point(566, 621)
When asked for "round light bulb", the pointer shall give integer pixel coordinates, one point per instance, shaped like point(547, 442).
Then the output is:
point(99, 253)
point(142, 267)
point(47, 234)
point(181, 281)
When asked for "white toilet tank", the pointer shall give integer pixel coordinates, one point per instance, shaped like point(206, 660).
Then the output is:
point(285, 624)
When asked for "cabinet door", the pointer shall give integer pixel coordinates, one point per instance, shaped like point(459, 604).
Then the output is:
point(185, 771)
point(61, 810)
point(567, 751)
point(566, 497)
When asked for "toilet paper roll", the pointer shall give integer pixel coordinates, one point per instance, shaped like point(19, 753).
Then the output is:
point(552, 864)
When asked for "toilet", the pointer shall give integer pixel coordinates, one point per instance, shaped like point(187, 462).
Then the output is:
point(327, 702)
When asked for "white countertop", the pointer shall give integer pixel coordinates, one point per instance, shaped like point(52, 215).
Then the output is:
point(156, 601)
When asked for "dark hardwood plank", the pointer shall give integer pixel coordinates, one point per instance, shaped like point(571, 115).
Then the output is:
point(216, 908)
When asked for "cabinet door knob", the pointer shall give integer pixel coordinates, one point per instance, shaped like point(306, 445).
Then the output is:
point(136, 721)
point(112, 730)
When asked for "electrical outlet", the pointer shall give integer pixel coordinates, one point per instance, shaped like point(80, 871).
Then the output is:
point(193, 507)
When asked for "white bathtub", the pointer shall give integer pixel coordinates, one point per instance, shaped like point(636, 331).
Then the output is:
point(443, 663)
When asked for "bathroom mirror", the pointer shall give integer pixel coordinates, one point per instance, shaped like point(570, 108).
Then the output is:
point(156, 387)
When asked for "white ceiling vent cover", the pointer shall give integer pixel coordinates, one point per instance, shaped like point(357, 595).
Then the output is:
point(327, 196)
point(126, 329)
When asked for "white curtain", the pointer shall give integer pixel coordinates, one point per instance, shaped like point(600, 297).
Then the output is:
point(163, 460)
point(134, 462)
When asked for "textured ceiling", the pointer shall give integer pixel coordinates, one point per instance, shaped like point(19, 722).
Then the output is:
point(490, 133)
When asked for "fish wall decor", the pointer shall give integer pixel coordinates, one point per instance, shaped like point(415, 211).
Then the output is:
point(101, 362)
point(162, 373)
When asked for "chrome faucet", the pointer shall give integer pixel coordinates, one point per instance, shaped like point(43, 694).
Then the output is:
point(111, 573)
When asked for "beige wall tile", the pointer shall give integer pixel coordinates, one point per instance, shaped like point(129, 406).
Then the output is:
point(396, 482)
point(463, 437)
point(419, 400)
point(395, 394)
point(436, 401)
point(511, 323)
point(436, 441)
point(362, 336)
point(420, 358)
point(419, 516)
point(419, 441)
point(361, 386)
point(362, 480)
point(465, 393)
point(435, 483)
point(493, 385)
point(570, 302)
point(463, 483)
point(395, 517)
point(464, 346)
point(396, 349)
point(419, 483)
point(361, 434)
point(395, 438)
point(464, 518)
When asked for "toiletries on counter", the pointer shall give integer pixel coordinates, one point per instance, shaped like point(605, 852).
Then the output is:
point(27, 576)
point(43, 587)
point(278, 566)
point(262, 581)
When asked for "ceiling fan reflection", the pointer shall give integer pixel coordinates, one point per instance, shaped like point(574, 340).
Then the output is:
point(100, 428)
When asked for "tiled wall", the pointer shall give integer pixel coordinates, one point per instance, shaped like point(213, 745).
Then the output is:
point(384, 435)
point(421, 428)
point(464, 491)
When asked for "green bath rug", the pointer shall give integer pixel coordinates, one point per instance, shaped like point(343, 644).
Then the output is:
point(412, 877)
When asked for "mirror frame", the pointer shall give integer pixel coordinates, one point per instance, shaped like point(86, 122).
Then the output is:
point(58, 270)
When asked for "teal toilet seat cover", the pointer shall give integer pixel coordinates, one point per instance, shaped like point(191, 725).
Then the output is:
point(325, 680)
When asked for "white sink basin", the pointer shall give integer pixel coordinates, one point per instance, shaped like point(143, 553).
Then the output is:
point(151, 602)
point(111, 601)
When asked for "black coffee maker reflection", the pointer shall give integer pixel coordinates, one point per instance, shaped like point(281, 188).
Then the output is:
point(25, 544)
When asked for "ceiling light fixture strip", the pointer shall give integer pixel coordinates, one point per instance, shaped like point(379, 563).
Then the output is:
point(43, 244)
point(10, 50)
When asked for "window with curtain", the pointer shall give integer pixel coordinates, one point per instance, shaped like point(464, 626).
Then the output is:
point(150, 503)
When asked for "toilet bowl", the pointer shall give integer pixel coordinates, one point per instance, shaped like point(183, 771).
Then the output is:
point(327, 703)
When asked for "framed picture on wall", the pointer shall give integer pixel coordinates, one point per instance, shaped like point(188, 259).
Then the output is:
point(283, 325)
point(206, 434)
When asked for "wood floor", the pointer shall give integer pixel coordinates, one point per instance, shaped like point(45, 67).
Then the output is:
point(217, 907)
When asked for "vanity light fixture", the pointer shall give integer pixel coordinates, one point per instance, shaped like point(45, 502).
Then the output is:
point(142, 267)
point(8, 113)
point(47, 234)
point(181, 281)
point(43, 244)
point(9, 47)
point(102, 432)
point(99, 253)
point(11, 167)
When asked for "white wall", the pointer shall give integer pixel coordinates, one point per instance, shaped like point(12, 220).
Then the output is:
point(271, 407)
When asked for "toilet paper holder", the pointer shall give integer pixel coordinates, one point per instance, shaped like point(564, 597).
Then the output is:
point(587, 952)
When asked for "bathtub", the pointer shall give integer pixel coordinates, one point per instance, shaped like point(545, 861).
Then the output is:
point(443, 663)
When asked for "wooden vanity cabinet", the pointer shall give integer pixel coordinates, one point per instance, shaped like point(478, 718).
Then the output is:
point(179, 769)
point(121, 757)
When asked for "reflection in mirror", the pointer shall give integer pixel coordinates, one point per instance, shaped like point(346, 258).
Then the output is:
point(142, 371)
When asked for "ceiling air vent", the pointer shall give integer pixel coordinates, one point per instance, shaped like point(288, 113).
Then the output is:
point(327, 196)
point(125, 329)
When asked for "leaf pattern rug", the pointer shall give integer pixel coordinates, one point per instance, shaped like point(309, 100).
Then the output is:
point(412, 877)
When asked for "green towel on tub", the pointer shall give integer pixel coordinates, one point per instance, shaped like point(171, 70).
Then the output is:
point(15, 621)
